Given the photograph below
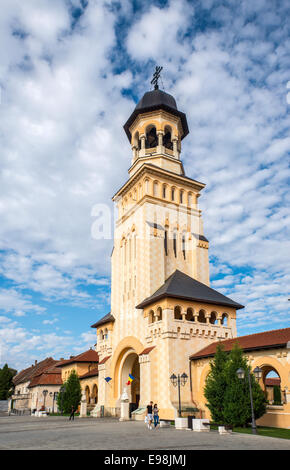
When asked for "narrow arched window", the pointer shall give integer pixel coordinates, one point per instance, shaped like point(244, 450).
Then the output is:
point(175, 244)
point(159, 313)
point(151, 316)
point(183, 246)
point(155, 188)
point(166, 242)
point(164, 191)
point(173, 194)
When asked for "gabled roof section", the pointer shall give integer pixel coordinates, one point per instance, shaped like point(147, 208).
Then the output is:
point(88, 356)
point(27, 374)
point(51, 376)
point(264, 340)
point(182, 286)
point(106, 319)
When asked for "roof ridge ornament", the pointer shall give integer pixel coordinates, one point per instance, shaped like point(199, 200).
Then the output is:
point(156, 77)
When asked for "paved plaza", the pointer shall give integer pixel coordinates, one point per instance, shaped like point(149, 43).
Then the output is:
point(26, 432)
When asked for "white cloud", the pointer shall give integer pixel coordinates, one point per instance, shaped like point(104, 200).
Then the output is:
point(63, 148)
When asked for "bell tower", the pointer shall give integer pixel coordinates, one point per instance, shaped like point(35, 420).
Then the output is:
point(159, 227)
point(162, 308)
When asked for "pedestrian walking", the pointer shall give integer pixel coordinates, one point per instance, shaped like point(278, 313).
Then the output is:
point(155, 415)
point(149, 415)
point(72, 415)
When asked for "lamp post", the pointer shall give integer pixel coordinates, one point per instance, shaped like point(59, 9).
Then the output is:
point(54, 399)
point(258, 374)
point(177, 381)
point(44, 393)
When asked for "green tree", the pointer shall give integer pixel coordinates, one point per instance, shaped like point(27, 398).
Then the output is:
point(70, 394)
point(237, 404)
point(6, 384)
point(215, 385)
point(277, 395)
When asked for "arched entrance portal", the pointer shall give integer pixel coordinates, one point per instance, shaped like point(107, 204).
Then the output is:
point(130, 365)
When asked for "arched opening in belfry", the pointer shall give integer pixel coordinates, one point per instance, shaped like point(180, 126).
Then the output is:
point(167, 142)
point(225, 319)
point(213, 318)
point(136, 141)
point(177, 313)
point(189, 315)
point(201, 317)
point(130, 379)
point(151, 137)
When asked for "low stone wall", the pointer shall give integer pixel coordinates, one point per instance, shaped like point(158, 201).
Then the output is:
point(276, 417)
point(3, 405)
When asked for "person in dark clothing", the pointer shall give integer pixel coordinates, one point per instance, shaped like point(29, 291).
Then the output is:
point(72, 415)
point(149, 416)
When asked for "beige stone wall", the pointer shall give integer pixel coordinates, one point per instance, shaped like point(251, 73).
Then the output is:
point(80, 368)
point(37, 398)
point(22, 396)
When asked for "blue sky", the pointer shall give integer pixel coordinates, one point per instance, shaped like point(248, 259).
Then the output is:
point(70, 74)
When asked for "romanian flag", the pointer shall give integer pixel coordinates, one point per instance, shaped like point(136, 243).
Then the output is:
point(131, 378)
point(107, 379)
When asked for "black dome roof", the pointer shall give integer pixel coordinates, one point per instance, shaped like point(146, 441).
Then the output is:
point(156, 98)
point(153, 100)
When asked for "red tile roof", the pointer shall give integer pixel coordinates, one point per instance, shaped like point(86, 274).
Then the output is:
point(146, 351)
point(27, 374)
point(88, 356)
point(264, 340)
point(92, 373)
point(271, 381)
point(51, 378)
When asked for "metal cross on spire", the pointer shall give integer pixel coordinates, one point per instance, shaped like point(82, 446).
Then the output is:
point(156, 77)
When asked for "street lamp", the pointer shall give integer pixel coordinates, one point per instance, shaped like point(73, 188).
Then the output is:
point(258, 374)
point(44, 392)
point(54, 399)
point(177, 381)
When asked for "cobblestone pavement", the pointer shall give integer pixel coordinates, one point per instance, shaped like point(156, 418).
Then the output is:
point(26, 432)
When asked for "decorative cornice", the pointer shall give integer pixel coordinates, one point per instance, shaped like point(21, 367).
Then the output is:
point(154, 170)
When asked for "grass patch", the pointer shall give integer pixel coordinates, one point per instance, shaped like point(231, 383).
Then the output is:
point(262, 431)
point(265, 431)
